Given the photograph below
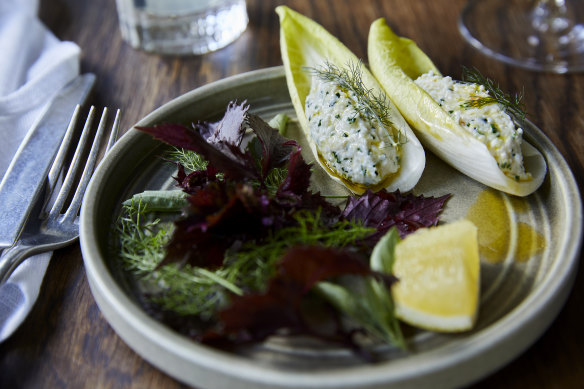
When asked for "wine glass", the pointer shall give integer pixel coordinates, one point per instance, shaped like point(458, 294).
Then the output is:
point(541, 35)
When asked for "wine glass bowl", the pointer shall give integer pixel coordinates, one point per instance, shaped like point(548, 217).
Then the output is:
point(542, 35)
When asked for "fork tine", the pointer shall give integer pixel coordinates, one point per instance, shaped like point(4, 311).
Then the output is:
point(114, 132)
point(57, 164)
point(73, 209)
point(75, 163)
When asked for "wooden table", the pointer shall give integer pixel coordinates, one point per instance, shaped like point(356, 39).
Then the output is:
point(66, 342)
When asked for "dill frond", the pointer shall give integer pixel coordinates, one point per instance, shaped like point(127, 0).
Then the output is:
point(370, 106)
point(275, 178)
point(185, 290)
point(257, 262)
point(189, 159)
point(512, 105)
point(189, 290)
point(141, 239)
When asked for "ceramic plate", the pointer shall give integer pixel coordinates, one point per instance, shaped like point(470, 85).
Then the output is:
point(529, 253)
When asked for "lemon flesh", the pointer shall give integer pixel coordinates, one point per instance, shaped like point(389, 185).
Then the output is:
point(438, 270)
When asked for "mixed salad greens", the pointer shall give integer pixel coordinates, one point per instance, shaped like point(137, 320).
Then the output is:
point(244, 249)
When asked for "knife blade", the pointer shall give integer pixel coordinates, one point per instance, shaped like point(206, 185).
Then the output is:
point(24, 178)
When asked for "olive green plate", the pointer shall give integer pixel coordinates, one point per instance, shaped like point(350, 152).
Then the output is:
point(520, 296)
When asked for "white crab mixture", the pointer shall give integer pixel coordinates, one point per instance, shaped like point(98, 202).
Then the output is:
point(357, 149)
point(488, 123)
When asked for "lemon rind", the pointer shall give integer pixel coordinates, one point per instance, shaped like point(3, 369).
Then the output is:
point(417, 318)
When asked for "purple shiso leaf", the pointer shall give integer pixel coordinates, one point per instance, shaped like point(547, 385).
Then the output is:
point(383, 210)
point(219, 214)
point(228, 130)
point(192, 182)
point(297, 180)
point(275, 149)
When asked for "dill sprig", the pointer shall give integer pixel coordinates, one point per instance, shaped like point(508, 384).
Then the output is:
point(186, 290)
point(189, 159)
point(372, 107)
point(189, 290)
point(260, 259)
point(274, 179)
point(141, 238)
point(512, 105)
point(256, 262)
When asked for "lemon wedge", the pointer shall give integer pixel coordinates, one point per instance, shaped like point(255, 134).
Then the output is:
point(438, 271)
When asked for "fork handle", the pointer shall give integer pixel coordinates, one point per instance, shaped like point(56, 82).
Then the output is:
point(11, 258)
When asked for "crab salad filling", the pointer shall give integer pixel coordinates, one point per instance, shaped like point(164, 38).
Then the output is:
point(489, 123)
point(358, 149)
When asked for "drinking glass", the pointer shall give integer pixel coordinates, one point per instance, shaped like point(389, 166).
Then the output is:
point(181, 26)
point(543, 35)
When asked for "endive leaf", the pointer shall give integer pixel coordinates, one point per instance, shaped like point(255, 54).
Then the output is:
point(306, 44)
point(396, 62)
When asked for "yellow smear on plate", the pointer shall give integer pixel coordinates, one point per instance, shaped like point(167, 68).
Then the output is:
point(491, 215)
point(530, 243)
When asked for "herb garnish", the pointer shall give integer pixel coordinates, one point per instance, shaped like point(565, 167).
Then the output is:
point(372, 107)
point(189, 159)
point(190, 290)
point(512, 105)
point(253, 243)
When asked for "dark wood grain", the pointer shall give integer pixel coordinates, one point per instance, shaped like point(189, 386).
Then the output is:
point(66, 342)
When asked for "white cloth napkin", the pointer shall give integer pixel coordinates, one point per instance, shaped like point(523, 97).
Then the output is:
point(35, 65)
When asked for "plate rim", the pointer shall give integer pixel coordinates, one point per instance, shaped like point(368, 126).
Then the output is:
point(524, 324)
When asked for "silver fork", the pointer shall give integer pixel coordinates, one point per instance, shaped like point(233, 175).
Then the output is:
point(56, 227)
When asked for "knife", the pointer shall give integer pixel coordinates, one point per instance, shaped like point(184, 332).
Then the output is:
point(23, 181)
